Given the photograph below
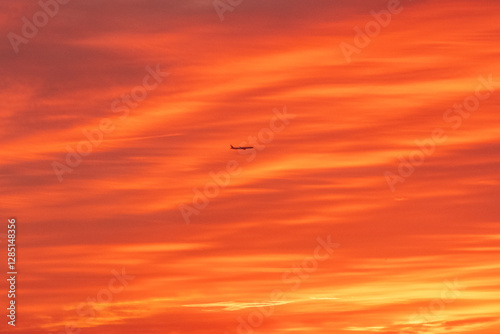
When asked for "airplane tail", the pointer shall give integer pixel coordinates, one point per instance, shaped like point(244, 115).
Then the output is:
point(232, 146)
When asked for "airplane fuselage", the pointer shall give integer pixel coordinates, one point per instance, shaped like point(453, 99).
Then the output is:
point(241, 147)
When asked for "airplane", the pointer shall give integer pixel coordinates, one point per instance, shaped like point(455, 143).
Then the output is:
point(240, 147)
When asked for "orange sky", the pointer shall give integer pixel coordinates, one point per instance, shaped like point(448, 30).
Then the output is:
point(421, 257)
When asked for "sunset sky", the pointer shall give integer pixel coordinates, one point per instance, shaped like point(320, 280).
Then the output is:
point(369, 204)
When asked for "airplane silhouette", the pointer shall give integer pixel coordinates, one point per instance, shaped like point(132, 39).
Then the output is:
point(241, 147)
